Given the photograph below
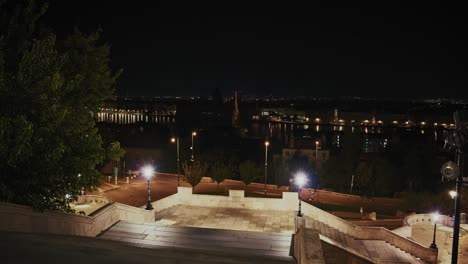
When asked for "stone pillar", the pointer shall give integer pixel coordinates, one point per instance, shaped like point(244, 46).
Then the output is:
point(300, 222)
point(184, 194)
point(290, 201)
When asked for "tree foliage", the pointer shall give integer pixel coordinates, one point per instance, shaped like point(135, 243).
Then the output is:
point(339, 169)
point(220, 172)
point(194, 171)
point(279, 171)
point(49, 145)
point(114, 151)
point(249, 171)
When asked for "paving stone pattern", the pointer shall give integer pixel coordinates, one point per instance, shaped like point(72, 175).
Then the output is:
point(229, 218)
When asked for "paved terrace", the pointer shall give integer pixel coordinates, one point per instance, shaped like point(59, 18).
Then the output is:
point(234, 230)
point(228, 218)
point(246, 231)
point(423, 233)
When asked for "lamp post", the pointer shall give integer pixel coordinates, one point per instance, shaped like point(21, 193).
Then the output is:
point(148, 172)
point(266, 164)
point(300, 180)
point(193, 157)
point(453, 194)
point(435, 217)
point(316, 149)
point(176, 140)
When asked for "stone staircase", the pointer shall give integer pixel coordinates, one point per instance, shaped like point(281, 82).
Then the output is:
point(261, 247)
point(376, 250)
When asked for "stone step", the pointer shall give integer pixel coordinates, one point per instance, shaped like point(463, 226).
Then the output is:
point(235, 242)
point(405, 255)
point(378, 250)
point(75, 249)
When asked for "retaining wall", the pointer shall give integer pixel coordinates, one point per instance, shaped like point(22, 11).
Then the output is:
point(236, 199)
point(20, 218)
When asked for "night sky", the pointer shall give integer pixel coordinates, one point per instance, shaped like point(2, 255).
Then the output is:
point(179, 49)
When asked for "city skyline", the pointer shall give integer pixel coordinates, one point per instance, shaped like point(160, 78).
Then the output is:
point(378, 51)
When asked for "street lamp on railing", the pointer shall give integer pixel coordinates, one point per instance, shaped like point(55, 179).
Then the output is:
point(148, 172)
point(300, 180)
point(435, 218)
point(176, 140)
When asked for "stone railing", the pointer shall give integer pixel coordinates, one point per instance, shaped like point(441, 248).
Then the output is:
point(426, 219)
point(337, 223)
point(96, 199)
point(20, 218)
point(133, 214)
point(236, 199)
point(371, 233)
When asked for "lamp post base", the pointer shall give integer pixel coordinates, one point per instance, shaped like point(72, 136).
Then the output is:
point(149, 206)
point(433, 246)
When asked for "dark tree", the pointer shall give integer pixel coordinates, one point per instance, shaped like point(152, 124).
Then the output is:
point(114, 154)
point(249, 172)
point(50, 91)
point(219, 172)
point(194, 171)
point(338, 171)
point(279, 170)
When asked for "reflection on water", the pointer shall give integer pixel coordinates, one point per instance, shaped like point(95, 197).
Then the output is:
point(331, 135)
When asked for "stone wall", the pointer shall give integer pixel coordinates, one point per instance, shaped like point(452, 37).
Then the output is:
point(19, 218)
point(427, 218)
point(236, 199)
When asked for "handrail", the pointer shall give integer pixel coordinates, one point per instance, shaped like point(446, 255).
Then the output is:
point(371, 233)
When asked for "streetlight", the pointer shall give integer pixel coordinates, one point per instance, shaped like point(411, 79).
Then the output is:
point(148, 172)
point(176, 140)
point(453, 194)
point(300, 179)
point(435, 217)
point(266, 163)
point(316, 149)
point(193, 157)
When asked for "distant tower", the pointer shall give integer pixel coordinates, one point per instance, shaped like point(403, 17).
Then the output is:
point(235, 113)
point(336, 118)
point(373, 121)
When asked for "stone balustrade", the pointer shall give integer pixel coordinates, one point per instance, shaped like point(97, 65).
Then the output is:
point(20, 218)
point(89, 199)
point(371, 233)
point(236, 199)
point(427, 219)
